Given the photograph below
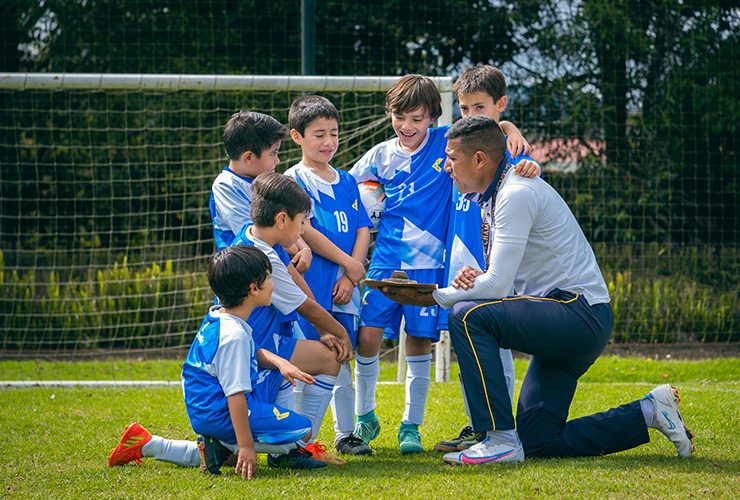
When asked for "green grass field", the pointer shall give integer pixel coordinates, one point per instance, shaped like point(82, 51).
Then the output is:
point(55, 442)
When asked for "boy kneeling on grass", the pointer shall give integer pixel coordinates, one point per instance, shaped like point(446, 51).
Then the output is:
point(230, 383)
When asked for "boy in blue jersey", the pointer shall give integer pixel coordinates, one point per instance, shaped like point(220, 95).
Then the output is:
point(411, 238)
point(339, 215)
point(230, 384)
point(480, 90)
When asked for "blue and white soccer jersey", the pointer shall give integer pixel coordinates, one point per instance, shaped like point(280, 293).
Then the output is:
point(463, 245)
point(222, 362)
point(337, 214)
point(412, 230)
point(231, 206)
point(286, 298)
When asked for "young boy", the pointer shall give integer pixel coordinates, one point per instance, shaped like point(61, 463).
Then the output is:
point(410, 237)
point(230, 383)
point(279, 207)
point(252, 141)
point(337, 214)
point(480, 90)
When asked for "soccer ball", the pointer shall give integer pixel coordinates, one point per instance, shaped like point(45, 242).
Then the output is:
point(372, 194)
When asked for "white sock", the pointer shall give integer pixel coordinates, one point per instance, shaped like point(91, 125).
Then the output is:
point(418, 379)
point(507, 437)
point(178, 452)
point(367, 371)
point(315, 401)
point(284, 398)
point(507, 362)
point(647, 405)
point(343, 403)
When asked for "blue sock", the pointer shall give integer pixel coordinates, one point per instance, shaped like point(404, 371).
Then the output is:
point(367, 417)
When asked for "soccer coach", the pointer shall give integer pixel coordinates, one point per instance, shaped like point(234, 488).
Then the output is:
point(560, 315)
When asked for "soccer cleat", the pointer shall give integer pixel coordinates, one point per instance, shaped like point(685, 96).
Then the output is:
point(465, 440)
point(212, 454)
point(409, 439)
point(352, 445)
point(297, 458)
point(488, 451)
point(367, 431)
point(133, 438)
point(318, 452)
point(667, 418)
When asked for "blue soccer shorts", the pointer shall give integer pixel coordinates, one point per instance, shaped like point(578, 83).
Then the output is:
point(269, 423)
point(348, 321)
point(379, 311)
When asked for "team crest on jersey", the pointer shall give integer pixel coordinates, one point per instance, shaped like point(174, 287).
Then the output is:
point(436, 164)
point(279, 415)
point(354, 205)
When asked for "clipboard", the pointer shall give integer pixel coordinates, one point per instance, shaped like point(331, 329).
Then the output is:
point(400, 279)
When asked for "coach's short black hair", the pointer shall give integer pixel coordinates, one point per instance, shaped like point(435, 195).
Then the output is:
point(232, 270)
point(308, 108)
point(252, 131)
point(273, 193)
point(479, 133)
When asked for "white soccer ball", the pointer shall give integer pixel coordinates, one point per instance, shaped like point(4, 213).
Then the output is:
point(372, 194)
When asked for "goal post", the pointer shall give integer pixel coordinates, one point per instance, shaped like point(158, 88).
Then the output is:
point(104, 195)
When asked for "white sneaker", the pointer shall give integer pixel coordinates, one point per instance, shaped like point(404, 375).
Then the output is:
point(487, 451)
point(668, 420)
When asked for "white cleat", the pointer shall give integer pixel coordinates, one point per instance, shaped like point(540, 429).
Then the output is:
point(487, 451)
point(668, 420)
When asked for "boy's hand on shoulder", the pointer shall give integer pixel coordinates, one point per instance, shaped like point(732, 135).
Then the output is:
point(302, 260)
point(517, 145)
point(342, 293)
point(528, 168)
point(246, 461)
point(354, 270)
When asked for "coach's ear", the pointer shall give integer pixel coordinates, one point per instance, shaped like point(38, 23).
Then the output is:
point(479, 159)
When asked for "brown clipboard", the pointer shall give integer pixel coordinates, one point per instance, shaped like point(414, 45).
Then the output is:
point(399, 279)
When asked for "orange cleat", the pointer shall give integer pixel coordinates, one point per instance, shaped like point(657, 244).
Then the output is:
point(129, 447)
point(318, 452)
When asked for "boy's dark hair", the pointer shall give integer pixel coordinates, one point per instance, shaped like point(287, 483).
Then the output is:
point(273, 193)
point(305, 109)
point(481, 78)
point(252, 131)
point(232, 270)
point(413, 92)
point(479, 133)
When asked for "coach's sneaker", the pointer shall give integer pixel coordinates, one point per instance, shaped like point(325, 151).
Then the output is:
point(465, 440)
point(318, 452)
point(668, 420)
point(352, 445)
point(133, 438)
point(488, 451)
point(409, 439)
point(212, 454)
point(297, 458)
point(367, 431)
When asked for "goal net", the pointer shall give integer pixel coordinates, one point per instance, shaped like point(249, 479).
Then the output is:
point(105, 184)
